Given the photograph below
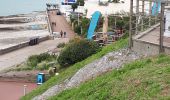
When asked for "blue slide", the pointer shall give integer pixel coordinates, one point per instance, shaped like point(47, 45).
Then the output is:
point(156, 8)
point(93, 24)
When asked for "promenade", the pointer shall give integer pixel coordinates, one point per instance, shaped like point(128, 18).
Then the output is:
point(61, 24)
point(19, 56)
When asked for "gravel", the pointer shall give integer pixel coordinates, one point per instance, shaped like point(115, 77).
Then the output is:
point(112, 60)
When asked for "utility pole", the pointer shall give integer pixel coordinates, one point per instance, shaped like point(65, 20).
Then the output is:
point(130, 25)
point(162, 27)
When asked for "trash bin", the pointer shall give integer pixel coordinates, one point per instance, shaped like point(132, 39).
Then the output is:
point(40, 78)
point(31, 42)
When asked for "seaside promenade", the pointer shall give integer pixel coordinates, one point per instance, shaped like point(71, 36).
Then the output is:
point(19, 56)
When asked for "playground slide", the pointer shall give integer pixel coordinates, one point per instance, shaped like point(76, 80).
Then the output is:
point(156, 8)
point(93, 24)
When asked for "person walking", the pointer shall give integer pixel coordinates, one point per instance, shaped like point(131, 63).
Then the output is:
point(64, 34)
point(61, 33)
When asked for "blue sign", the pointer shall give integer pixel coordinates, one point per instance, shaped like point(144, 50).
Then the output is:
point(68, 1)
point(71, 1)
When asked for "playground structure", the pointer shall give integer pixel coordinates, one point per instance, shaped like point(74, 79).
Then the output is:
point(103, 37)
point(93, 24)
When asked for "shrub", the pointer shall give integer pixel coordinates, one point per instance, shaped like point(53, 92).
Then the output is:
point(76, 51)
point(42, 66)
point(32, 60)
point(35, 59)
point(51, 71)
point(61, 45)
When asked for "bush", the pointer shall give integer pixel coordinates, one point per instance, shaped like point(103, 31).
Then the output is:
point(35, 59)
point(61, 45)
point(51, 71)
point(76, 51)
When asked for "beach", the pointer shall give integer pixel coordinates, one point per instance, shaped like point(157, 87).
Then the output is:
point(25, 27)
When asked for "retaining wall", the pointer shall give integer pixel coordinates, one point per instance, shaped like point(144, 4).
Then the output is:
point(21, 45)
point(147, 48)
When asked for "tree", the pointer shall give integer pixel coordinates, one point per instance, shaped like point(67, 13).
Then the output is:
point(81, 2)
point(74, 6)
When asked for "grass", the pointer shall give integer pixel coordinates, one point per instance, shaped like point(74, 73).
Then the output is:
point(70, 71)
point(140, 80)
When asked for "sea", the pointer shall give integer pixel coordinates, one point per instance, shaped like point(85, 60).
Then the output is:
point(13, 7)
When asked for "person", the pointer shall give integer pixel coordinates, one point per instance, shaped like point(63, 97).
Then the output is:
point(64, 34)
point(61, 33)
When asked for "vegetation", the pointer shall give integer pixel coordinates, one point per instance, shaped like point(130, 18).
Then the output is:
point(74, 6)
point(37, 62)
point(34, 60)
point(78, 3)
point(77, 51)
point(82, 29)
point(61, 45)
point(141, 80)
point(70, 71)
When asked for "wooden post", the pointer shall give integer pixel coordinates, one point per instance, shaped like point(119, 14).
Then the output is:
point(130, 25)
point(162, 26)
point(150, 12)
point(143, 7)
point(137, 15)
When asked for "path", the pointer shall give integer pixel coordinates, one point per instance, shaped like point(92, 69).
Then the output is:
point(61, 24)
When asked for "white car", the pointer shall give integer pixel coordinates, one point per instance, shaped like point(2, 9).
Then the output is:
point(56, 34)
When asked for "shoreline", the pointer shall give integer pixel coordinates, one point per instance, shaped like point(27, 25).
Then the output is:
point(21, 14)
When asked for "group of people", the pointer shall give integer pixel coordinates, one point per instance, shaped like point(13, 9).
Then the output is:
point(54, 23)
point(63, 33)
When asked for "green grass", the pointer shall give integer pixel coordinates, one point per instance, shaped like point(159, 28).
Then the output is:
point(145, 79)
point(70, 71)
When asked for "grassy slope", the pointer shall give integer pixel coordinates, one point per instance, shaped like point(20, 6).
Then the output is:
point(67, 73)
point(141, 80)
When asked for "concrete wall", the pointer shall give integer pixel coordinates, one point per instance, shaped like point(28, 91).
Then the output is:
point(21, 45)
point(148, 49)
point(145, 48)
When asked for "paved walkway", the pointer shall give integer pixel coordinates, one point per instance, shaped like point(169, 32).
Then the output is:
point(61, 24)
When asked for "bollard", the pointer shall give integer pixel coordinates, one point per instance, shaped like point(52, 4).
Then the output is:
point(25, 86)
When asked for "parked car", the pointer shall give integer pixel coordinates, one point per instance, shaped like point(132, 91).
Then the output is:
point(56, 34)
